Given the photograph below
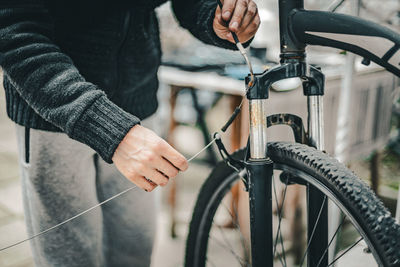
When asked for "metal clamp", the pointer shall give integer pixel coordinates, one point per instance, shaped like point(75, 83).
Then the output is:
point(237, 165)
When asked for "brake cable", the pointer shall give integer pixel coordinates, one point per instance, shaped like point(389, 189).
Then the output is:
point(241, 49)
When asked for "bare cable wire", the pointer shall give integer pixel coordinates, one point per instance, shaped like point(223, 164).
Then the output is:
point(68, 220)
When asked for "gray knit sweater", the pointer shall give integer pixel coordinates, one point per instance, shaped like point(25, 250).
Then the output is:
point(88, 68)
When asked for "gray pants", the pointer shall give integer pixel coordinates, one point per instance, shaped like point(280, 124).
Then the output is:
point(61, 178)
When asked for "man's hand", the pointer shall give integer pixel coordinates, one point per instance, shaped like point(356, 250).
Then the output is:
point(146, 159)
point(238, 16)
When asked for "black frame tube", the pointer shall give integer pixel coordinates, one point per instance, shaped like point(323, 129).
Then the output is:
point(323, 28)
point(289, 45)
point(260, 192)
point(317, 234)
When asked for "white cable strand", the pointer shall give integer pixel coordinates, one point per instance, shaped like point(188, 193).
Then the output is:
point(204, 148)
point(68, 220)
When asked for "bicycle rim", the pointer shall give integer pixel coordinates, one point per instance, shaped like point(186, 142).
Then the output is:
point(199, 240)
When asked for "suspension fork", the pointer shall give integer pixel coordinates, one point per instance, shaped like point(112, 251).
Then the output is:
point(260, 167)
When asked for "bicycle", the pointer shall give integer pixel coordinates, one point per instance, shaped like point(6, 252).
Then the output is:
point(302, 163)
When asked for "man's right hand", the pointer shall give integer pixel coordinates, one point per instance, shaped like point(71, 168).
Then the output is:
point(146, 159)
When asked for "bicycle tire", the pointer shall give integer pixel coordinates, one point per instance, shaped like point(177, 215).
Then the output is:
point(380, 230)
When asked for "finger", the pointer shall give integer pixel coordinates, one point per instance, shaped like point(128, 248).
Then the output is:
point(176, 159)
point(218, 16)
point(165, 167)
point(173, 156)
point(237, 17)
point(227, 9)
point(249, 16)
point(229, 37)
point(156, 177)
point(143, 183)
point(250, 30)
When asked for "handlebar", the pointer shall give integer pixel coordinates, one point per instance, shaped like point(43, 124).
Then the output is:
point(362, 37)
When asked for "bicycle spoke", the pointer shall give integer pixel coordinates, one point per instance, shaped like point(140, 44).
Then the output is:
point(337, 5)
point(313, 231)
point(330, 242)
point(347, 250)
point(228, 249)
point(279, 232)
point(279, 216)
point(227, 245)
point(237, 228)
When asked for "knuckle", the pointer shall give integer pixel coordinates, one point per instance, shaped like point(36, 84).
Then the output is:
point(132, 177)
point(140, 167)
point(228, 6)
point(252, 10)
point(150, 188)
point(172, 173)
point(162, 181)
point(238, 19)
point(129, 172)
point(254, 25)
point(243, 3)
point(182, 163)
point(159, 144)
point(150, 157)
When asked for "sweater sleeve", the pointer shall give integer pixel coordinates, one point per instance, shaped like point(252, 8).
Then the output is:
point(197, 16)
point(48, 81)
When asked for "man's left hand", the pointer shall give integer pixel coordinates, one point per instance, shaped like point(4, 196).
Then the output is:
point(238, 16)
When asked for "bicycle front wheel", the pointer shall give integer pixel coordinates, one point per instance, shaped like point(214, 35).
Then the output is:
point(362, 234)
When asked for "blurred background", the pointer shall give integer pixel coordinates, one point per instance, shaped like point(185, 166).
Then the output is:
point(201, 85)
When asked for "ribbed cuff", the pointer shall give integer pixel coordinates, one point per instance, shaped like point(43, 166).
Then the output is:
point(103, 126)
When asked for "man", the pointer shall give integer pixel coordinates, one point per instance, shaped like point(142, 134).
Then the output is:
point(80, 74)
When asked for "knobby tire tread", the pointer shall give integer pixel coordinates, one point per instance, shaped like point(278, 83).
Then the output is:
point(353, 193)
